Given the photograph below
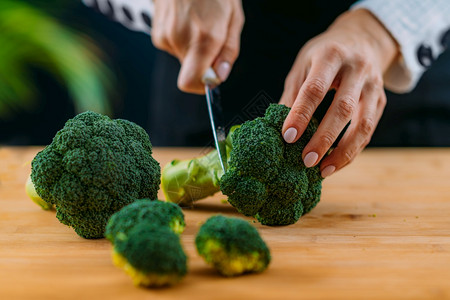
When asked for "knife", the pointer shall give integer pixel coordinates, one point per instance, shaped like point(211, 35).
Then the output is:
point(212, 93)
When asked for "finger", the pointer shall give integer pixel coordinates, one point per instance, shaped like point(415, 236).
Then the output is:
point(292, 84)
point(358, 134)
point(201, 53)
point(312, 92)
point(230, 50)
point(338, 115)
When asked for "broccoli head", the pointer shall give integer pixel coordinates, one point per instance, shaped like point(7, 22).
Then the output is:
point(151, 255)
point(267, 178)
point(232, 246)
point(93, 167)
point(158, 213)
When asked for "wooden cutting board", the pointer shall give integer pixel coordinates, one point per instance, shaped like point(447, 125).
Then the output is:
point(381, 231)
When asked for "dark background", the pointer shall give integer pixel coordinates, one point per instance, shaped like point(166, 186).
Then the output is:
point(419, 118)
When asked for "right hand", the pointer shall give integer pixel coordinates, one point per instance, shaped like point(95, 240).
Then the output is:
point(201, 34)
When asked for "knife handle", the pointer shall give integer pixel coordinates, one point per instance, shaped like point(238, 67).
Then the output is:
point(210, 78)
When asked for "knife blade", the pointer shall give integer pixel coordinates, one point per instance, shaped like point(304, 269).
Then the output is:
point(215, 113)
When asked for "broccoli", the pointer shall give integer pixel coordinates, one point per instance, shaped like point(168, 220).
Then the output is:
point(151, 255)
point(232, 246)
point(93, 167)
point(153, 212)
point(266, 177)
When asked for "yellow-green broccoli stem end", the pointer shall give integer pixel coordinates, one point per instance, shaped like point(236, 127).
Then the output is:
point(144, 279)
point(31, 192)
point(232, 263)
point(177, 226)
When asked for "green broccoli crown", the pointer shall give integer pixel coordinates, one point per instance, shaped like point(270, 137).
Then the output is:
point(158, 213)
point(151, 255)
point(232, 246)
point(267, 178)
point(93, 167)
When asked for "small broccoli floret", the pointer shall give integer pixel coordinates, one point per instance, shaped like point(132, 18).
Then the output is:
point(266, 177)
point(93, 167)
point(232, 246)
point(155, 213)
point(151, 255)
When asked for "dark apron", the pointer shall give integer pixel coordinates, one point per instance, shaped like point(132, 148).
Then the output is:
point(273, 34)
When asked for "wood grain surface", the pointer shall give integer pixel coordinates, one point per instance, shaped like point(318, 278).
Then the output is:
point(381, 231)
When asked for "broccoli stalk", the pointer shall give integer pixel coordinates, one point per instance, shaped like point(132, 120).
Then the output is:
point(266, 177)
point(31, 192)
point(185, 181)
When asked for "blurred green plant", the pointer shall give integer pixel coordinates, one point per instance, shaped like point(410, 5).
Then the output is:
point(31, 38)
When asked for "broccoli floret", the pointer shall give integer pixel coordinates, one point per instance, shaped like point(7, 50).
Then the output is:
point(266, 177)
point(93, 167)
point(158, 213)
point(151, 255)
point(232, 246)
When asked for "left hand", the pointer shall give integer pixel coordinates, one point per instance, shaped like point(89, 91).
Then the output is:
point(350, 57)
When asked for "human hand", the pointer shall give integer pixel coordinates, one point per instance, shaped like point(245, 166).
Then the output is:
point(350, 57)
point(201, 34)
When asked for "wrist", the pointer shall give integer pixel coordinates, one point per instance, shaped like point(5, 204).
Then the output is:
point(374, 32)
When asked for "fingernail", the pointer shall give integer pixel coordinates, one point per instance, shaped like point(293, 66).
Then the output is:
point(310, 159)
point(328, 171)
point(290, 134)
point(223, 70)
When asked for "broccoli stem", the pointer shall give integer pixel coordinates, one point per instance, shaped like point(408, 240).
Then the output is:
point(31, 192)
point(185, 181)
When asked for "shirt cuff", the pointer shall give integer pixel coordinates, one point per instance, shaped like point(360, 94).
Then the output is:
point(133, 14)
point(422, 30)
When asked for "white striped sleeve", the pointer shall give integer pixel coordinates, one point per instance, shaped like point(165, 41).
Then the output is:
point(133, 14)
point(422, 30)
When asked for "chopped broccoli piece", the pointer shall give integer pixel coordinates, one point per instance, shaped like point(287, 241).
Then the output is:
point(159, 213)
point(232, 246)
point(151, 255)
point(93, 167)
